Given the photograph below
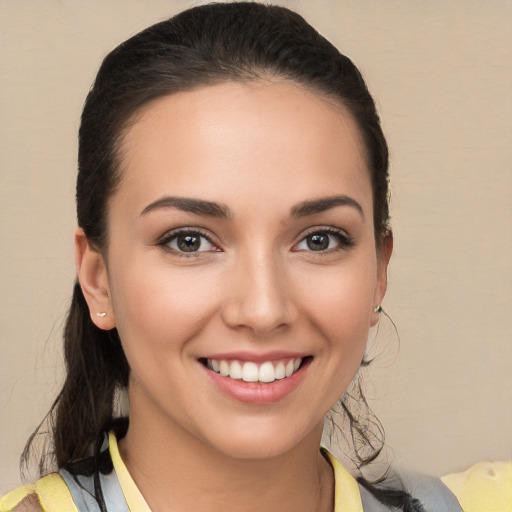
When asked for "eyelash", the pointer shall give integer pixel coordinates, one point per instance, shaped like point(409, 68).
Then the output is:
point(344, 241)
point(171, 236)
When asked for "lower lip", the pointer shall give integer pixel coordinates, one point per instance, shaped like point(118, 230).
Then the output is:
point(258, 392)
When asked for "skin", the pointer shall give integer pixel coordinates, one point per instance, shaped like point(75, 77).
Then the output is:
point(260, 150)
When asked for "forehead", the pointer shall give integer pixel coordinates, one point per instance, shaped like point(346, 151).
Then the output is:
point(262, 136)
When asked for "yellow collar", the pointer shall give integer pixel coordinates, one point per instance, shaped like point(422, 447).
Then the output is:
point(346, 494)
point(347, 497)
point(134, 498)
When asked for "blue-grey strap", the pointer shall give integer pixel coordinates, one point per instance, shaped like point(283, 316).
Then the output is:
point(82, 491)
point(370, 503)
point(430, 491)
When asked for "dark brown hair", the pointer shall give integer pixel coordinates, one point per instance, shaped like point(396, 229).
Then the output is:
point(201, 46)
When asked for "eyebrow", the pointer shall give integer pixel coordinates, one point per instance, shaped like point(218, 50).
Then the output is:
point(326, 203)
point(197, 206)
point(217, 210)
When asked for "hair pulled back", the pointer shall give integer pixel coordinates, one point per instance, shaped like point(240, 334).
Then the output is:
point(204, 45)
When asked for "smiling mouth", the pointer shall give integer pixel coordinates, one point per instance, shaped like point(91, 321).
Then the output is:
point(248, 371)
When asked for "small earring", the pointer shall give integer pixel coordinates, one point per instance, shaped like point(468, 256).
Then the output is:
point(102, 314)
point(378, 309)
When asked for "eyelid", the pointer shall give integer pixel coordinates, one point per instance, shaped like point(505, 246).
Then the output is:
point(172, 234)
point(346, 240)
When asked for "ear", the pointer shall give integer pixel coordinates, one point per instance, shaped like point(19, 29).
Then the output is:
point(93, 278)
point(384, 254)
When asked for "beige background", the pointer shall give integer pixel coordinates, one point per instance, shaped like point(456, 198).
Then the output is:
point(441, 72)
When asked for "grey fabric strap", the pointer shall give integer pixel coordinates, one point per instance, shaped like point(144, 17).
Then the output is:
point(82, 491)
point(370, 503)
point(430, 491)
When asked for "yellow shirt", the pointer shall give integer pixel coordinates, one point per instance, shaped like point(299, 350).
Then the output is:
point(486, 487)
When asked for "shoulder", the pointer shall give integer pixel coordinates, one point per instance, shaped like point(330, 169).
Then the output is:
point(485, 486)
point(48, 494)
point(29, 504)
point(15, 499)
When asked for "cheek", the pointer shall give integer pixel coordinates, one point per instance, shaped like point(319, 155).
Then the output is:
point(159, 308)
point(342, 297)
point(340, 308)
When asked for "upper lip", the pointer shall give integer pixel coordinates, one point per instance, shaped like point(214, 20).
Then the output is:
point(256, 357)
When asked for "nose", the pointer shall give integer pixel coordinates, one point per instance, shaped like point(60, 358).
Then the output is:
point(258, 296)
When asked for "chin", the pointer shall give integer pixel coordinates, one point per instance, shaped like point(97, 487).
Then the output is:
point(264, 440)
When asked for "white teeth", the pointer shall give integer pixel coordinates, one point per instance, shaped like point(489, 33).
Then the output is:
point(235, 370)
point(267, 373)
point(250, 372)
point(224, 368)
point(289, 368)
point(280, 370)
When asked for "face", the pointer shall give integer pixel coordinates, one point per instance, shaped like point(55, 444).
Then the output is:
point(241, 270)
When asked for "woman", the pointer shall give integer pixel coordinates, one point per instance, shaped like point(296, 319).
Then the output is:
point(232, 251)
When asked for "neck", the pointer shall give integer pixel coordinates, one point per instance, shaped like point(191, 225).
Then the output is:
point(176, 471)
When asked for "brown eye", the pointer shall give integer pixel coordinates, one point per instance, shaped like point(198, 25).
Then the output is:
point(318, 241)
point(325, 241)
point(188, 242)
